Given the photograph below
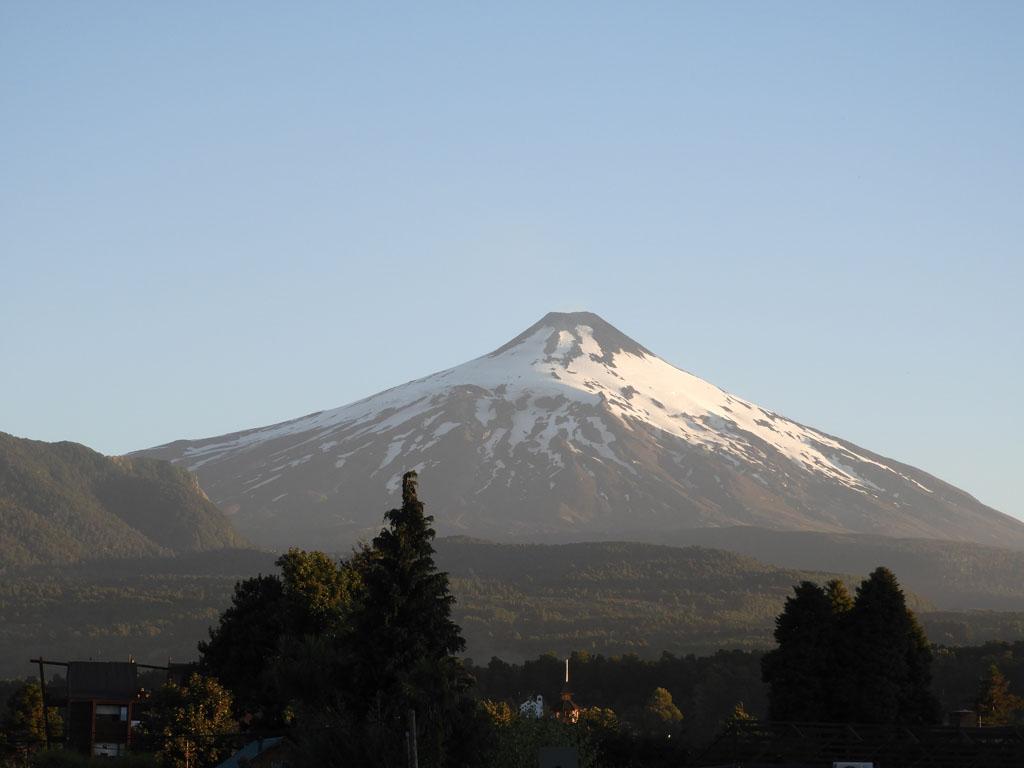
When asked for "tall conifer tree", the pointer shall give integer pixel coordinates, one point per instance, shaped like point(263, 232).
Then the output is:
point(865, 660)
point(888, 674)
point(798, 671)
point(405, 641)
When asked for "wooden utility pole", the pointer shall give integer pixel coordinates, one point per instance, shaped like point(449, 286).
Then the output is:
point(415, 763)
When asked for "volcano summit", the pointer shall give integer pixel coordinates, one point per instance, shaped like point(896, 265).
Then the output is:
point(571, 430)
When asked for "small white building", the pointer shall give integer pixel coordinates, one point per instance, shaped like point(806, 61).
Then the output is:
point(533, 707)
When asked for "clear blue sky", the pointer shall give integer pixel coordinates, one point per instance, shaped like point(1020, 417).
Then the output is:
point(215, 216)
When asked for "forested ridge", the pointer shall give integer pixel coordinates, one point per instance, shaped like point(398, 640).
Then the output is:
point(153, 608)
point(65, 503)
point(517, 601)
point(953, 575)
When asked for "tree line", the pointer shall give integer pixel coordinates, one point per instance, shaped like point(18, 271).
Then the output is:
point(514, 602)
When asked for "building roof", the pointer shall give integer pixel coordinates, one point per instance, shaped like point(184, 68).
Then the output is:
point(112, 680)
point(251, 750)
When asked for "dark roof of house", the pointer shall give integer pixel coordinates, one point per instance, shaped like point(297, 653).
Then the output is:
point(112, 680)
point(251, 750)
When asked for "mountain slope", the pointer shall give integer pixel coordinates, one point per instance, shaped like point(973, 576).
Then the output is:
point(62, 502)
point(571, 428)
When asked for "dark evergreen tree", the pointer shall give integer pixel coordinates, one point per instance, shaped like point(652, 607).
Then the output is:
point(799, 670)
point(405, 640)
point(841, 661)
point(406, 615)
point(839, 652)
point(397, 654)
point(886, 675)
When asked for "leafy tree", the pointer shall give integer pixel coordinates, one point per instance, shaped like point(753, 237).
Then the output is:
point(317, 591)
point(24, 725)
point(188, 723)
point(994, 702)
point(599, 718)
point(270, 627)
point(497, 712)
point(739, 715)
point(245, 644)
point(735, 720)
point(660, 713)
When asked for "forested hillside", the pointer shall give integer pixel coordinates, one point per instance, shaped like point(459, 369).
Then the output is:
point(516, 601)
point(152, 608)
point(65, 503)
point(513, 601)
point(952, 575)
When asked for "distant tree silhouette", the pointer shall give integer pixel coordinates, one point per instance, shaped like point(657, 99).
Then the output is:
point(799, 671)
point(887, 673)
point(404, 638)
point(842, 660)
point(394, 653)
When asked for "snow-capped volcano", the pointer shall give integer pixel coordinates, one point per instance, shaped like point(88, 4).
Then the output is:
point(573, 430)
